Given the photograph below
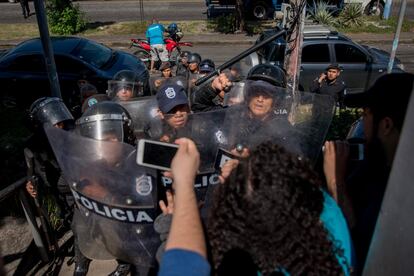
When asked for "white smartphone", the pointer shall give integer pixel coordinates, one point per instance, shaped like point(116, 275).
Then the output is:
point(154, 154)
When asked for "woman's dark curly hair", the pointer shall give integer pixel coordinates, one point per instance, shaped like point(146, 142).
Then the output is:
point(270, 208)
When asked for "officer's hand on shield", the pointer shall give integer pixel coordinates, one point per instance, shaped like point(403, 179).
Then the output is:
point(241, 152)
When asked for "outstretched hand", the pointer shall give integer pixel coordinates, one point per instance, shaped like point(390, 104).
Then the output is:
point(185, 163)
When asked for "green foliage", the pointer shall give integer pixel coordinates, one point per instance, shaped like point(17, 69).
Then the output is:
point(320, 14)
point(341, 123)
point(351, 16)
point(223, 24)
point(65, 18)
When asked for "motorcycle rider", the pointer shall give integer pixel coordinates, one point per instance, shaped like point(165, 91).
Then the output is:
point(155, 36)
point(127, 84)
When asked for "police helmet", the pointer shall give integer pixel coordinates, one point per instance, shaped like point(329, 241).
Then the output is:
point(267, 72)
point(49, 110)
point(194, 58)
point(207, 66)
point(134, 81)
point(106, 121)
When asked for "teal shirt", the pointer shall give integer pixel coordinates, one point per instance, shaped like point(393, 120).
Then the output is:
point(337, 228)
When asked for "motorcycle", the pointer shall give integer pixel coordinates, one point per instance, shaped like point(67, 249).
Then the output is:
point(172, 43)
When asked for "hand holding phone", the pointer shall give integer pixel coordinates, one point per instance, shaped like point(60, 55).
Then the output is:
point(154, 154)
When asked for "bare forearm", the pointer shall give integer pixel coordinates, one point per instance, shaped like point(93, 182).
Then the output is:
point(186, 228)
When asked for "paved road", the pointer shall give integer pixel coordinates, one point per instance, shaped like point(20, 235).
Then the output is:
point(117, 11)
point(221, 53)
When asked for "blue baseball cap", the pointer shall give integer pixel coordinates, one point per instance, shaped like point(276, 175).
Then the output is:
point(170, 96)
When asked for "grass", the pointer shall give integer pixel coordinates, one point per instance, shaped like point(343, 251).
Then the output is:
point(373, 24)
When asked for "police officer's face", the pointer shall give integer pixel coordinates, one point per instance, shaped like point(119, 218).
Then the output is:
point(261, 104)
point(178, 116)
point(332, 74)
point(193, 67)
point(166, 73)
point(124, 94)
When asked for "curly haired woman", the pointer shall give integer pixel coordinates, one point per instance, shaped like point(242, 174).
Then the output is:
point(272, 210)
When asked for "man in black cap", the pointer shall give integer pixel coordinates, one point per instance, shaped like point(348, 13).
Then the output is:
point(361, 193)
point(173, 109)
point(328, 83)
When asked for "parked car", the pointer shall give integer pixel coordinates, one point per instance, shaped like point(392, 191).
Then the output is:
point(361, 65)
point(23, 75)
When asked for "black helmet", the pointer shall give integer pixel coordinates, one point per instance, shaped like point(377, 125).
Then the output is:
point(50, 110)
point(172, 28)
point(269, 73)
point(207, 66)
point(185, 54)
point(194, 58)
point(135, 81)
point(106, 120)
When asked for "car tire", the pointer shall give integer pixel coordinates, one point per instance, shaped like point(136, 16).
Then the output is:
point(373, 9)
point(144, 56)
point(260, 10)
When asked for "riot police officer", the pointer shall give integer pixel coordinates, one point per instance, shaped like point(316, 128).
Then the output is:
point(48, 111)
point(127, 84)
point(104, 121)
point(182, 66)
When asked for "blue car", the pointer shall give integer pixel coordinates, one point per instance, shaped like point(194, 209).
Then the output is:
point(23, 75)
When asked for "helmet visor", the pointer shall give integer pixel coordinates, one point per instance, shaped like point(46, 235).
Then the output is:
point(103, 127)
point(124, 90)
point(52, 111)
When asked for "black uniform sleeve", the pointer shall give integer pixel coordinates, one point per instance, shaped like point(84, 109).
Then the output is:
point(314, 87)
point(203, 98)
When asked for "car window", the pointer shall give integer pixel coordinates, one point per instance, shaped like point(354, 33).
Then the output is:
point(94, 53)
point(316, 53)
point(69, 65)
point(346, 53)
point(28, 63)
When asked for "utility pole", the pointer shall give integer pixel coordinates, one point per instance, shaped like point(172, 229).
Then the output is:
point(294, 44)
point(47, 48)
point(397, 36)
point(141, 10)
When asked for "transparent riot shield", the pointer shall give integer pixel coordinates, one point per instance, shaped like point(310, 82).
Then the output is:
point(143, 111)
point(205, 129)
point(269, 113)
point(116, 199)
point(235, 96)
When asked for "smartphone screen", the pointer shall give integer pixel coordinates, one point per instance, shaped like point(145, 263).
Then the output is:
point(156, 154)
point(222, 157)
